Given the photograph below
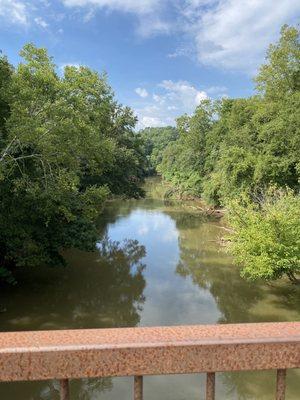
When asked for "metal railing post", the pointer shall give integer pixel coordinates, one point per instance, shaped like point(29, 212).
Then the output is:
point(64, 389)
point(281, 384)
point(210, 385)
point(138, 388)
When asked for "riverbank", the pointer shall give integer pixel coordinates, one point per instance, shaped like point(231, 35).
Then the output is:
point(197, 203)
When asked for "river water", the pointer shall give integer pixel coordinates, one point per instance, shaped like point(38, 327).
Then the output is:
point(157, 263)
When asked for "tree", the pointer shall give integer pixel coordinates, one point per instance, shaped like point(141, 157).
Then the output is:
point(266, 235)
point(65, 140)
point(155, 140)
point(6, 71)
point(183, 162)
point(236, 146)
point(280, 76)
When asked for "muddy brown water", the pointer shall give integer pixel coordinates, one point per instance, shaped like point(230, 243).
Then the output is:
point(157, 263)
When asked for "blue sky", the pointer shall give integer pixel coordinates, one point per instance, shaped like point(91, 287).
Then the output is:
point(162, 56)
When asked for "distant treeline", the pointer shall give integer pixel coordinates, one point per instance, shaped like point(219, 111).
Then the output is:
point(66, 145)
point(155, 140)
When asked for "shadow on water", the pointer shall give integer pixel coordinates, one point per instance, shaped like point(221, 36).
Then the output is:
point(98, 289)
point(68, 298)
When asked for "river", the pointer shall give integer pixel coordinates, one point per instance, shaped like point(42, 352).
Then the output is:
point(157, 263)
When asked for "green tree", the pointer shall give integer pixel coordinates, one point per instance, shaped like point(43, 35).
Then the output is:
point(64, 140)
point(183, 162)
point(6, 71)
point(155, 140)
point(237, 146)
point(280, 76)
point(266, 235)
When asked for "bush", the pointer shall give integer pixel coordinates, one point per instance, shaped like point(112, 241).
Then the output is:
point(266, 235)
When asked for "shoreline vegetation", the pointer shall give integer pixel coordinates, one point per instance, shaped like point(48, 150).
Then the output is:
point(199, 204)
point(67, 146)
point(236, 226)
point(243, 156)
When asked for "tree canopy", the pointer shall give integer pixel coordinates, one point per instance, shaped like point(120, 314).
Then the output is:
point(65, 146)
point(233, 146)
point(155, 140)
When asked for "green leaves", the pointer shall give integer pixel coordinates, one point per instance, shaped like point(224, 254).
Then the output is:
point(235, 146)
point(183, 160)
point(281, 75)
point(65, 146)
point(155, 140)
point(266, 235)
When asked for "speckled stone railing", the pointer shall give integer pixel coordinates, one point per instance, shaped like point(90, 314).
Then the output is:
point(137, 352)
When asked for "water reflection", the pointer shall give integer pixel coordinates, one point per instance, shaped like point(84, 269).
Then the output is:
point(238, 301)
point(99, 289)
point(83, 389)
point(157, 263)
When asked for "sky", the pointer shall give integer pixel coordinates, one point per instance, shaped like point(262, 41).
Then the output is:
point(162, 57)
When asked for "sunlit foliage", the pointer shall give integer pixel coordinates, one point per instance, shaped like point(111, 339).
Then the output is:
point(65, 146)
point(236, 146)
point(266, 235)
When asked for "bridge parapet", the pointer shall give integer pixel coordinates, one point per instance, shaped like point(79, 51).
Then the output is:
point(90, 353)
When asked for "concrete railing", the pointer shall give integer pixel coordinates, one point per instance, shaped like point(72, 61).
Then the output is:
point(74, 354)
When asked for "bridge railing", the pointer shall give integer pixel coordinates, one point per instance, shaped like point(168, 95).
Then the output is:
point(75, 354)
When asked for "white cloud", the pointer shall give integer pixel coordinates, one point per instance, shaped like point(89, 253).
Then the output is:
point(231, 34)
point(25, 13)
point(134, 6)
point(141, 92)
point(235, 34)
point(158, 99)
point(224, 33)
point(145, 121)
point(170, 100)
point(180, 52)
point(41, 22)
point(14, 11)
point(151, 25)
point(148, 13)
point(184, 93)
point(89, 15)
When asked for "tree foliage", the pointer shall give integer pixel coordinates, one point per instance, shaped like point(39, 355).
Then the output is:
point(155, 140)
point(266, 235)
point(236, 146)
point(65, 146)
point(183, 162)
